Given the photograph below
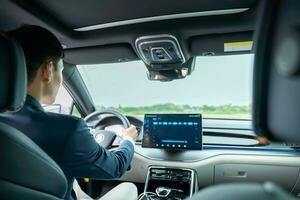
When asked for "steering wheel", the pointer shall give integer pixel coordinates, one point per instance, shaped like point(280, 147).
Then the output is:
point(104, 137)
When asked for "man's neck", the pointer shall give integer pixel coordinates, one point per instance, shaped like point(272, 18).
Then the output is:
point(35, 92)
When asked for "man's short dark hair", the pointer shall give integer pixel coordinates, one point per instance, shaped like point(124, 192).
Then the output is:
point(39, 45)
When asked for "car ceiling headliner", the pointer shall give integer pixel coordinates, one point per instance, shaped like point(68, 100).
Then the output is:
point(62, 17)
point(77, 13)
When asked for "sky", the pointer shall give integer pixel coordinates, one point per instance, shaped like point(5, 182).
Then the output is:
point(217, 80)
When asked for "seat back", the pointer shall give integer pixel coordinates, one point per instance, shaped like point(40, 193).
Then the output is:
point(276, 101)
point(26, 172)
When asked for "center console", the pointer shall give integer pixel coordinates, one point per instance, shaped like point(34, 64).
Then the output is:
point(169, 183)
point(173, 133)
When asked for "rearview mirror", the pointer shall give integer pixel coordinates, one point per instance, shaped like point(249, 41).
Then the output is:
point(167, 73)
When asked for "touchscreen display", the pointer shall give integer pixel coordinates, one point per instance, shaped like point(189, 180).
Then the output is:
point(173, 131)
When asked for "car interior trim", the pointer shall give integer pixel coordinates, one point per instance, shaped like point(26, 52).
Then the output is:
point(163, 17)
point(205, 168)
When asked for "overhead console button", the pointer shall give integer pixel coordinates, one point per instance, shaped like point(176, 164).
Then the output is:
point(159, 54)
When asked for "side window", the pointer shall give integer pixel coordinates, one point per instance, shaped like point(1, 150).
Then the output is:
point(63, 103)
point(75, 112)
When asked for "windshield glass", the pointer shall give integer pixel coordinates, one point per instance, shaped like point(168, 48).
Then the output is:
point(219, 87)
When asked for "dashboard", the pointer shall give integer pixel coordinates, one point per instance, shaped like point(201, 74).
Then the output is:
point(242, 160)
point(232, 133)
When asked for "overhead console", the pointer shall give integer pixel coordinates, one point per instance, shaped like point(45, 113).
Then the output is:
point(157, 50)
point(163, 57)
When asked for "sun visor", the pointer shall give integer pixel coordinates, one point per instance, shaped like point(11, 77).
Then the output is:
point(100, 54)
point(222, 44)
point(276, 102)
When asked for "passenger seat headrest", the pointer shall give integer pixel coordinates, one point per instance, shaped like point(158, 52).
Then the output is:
point(13, 75)
point(276, 89)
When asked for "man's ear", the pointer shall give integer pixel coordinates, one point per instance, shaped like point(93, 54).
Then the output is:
point(46, 71)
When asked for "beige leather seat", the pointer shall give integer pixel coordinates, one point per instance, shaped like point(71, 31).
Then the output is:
point(122, 190)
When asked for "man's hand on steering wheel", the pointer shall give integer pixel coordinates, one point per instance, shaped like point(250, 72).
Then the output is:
point(130, 132)
point(104, 137)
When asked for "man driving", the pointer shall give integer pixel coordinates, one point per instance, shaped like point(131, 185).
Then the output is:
point(66, 139)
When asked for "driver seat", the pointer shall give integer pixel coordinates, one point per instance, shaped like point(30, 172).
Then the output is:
point(26, 171)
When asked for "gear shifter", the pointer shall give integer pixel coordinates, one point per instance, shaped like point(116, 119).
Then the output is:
point(164, 191)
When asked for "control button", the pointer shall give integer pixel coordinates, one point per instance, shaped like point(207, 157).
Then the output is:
point(159, 54)
point(185, 173)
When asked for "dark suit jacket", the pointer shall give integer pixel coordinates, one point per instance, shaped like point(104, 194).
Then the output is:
point(68, 141)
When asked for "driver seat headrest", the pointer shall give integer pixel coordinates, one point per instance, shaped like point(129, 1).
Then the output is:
point(276, 91)
point(13, 75)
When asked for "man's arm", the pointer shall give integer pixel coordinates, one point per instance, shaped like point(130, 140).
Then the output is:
point(84, 157)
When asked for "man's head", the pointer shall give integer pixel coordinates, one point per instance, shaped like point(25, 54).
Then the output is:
point(43, 54)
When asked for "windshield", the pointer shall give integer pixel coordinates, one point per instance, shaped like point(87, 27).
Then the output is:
point(219, 87)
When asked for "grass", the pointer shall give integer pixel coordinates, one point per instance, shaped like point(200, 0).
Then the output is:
point(208, 111)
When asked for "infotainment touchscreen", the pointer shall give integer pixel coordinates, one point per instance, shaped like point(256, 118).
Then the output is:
point(172, 131)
